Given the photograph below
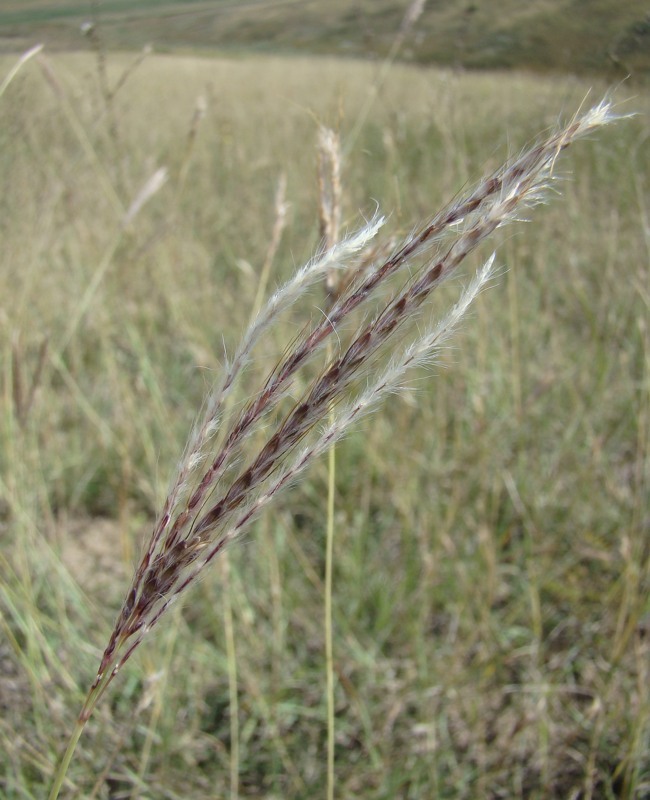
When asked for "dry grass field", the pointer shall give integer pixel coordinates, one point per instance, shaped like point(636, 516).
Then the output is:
point(492, 524)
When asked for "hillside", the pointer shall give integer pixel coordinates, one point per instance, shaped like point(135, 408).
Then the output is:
point(583, 36)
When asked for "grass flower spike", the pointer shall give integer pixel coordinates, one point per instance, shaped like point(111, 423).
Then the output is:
point(240, 458)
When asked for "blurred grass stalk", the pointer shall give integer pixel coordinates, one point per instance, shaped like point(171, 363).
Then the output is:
point(330, 201)
point(33, 51)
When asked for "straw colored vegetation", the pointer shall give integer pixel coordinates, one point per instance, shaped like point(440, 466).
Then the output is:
point(491, 559)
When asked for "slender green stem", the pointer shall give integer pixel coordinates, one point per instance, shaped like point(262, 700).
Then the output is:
point(231, 655)
point(62, 769)
point(329, 650)
point(92, 698)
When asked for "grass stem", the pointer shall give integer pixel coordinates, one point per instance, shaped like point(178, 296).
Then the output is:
point(62, 769)
point(231, 656)
point(329, 648)
point(92, 698)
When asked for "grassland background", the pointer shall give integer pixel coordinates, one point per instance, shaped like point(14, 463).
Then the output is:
point(492, 560)
point(583, 36)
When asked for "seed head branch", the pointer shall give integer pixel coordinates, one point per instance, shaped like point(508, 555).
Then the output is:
point(222, 484)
